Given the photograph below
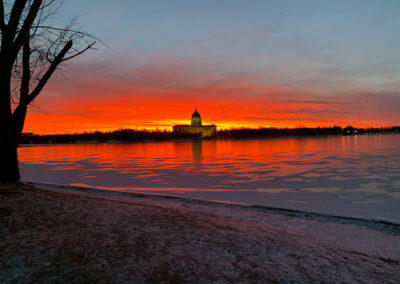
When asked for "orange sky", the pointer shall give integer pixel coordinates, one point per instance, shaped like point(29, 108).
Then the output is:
point(107, 96)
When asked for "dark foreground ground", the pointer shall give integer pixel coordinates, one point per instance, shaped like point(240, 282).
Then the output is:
point(50, 236)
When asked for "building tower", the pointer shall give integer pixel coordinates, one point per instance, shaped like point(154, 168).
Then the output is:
point(196, 129)
point(196, 119)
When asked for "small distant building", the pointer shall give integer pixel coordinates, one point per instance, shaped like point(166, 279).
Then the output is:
point(196, 127)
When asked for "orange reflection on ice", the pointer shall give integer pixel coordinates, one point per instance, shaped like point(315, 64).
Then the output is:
point(250, 159)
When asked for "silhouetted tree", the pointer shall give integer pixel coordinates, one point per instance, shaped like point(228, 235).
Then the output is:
point(348, 130)
point(31, 50)
point(337, 129)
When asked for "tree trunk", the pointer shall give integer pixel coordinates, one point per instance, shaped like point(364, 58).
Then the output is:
point(9, 170)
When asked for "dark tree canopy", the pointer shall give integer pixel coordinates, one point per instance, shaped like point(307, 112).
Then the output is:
point(32, 48)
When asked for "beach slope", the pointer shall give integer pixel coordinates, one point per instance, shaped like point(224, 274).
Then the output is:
point(69, 235)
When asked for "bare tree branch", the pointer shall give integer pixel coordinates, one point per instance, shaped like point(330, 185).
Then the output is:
point(61, 29)
point(46, 42)
point(74, 31)
point(90, 46)
point(20, 112)
point(26, 73)
point(15, 17)
point(30, 18)
point(49, 72)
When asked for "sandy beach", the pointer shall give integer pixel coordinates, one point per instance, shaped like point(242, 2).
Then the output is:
point(55, 234)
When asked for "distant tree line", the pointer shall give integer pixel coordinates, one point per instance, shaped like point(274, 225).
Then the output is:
point(304, 131)
point(130, 135)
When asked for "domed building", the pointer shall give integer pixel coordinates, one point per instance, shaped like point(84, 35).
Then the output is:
point(196, 119)
point(196, 127)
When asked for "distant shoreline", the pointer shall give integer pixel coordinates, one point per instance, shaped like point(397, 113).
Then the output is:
point(130, 135)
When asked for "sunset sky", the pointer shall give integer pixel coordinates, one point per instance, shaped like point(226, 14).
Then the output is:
point(240, 63)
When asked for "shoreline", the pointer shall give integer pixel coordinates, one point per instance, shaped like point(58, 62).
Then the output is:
point(56, 235)
point(377, 224)
point(197, 139)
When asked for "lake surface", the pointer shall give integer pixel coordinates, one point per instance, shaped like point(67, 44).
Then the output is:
point(355, 176)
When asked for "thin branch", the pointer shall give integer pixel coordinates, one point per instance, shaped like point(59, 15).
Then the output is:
point(80, 52)
point(61, 29)
point(49, 3)
point(75, 32)
point(44, 17)
point(56, 42)
point(39, 16)
point(49, 72)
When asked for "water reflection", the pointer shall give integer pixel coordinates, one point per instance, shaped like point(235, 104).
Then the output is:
point(295, 172)
point(197, 151)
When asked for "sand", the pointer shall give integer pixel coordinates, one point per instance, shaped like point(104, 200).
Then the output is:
point(54, 234)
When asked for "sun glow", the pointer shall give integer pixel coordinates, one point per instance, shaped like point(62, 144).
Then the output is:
point(85, 106)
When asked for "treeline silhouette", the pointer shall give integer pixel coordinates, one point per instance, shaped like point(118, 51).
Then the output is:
point(131, 135)
point(304, 131)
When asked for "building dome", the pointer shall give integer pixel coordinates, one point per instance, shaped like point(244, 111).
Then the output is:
point(196, 119)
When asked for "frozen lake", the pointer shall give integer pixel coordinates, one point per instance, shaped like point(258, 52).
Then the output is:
point(355, 176)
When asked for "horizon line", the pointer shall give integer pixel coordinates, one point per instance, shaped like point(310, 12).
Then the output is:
point(158, 130)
